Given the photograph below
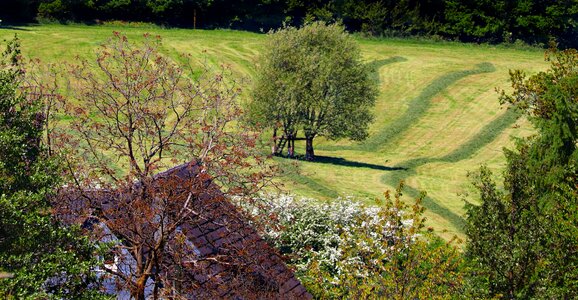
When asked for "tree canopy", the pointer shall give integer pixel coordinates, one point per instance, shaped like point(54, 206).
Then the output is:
point(312, 81)
point(523, 238)
point(47, 259)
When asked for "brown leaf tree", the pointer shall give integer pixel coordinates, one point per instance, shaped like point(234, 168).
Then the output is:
point(130, 114)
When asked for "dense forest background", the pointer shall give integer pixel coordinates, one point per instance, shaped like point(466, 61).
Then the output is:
point(491, 21)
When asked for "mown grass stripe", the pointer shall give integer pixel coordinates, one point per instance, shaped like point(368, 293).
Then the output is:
point(433, 206)
point(418, 106)
point(408, 168)
point(485, 136)
point(290, 170)
point(376, 65)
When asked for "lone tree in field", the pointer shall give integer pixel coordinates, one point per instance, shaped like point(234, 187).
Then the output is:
point(312, 81)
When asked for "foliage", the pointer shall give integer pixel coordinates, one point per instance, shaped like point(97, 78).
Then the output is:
point(507, 21)
point(342, 249)
point(311, 80)
point(524, 239)
point(56, 9)
point(48, 260)
point(503, 234)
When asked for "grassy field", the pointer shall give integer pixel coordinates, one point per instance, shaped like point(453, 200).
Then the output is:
point(437, 116)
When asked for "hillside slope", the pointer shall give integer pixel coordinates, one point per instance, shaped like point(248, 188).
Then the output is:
point(437, 115)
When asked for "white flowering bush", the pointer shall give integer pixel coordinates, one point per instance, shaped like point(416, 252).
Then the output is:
point(344, 249)
point(306, 229)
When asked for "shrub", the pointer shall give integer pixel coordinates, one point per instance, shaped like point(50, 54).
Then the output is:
point(343, 249)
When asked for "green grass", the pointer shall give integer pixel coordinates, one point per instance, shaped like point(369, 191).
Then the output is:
point(418, 107)
point(466, 150)
point(437, 116)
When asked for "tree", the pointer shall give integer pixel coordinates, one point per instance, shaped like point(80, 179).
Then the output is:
point(312, 80)
point(523, 240)
point(135, 113)
point(47, 259)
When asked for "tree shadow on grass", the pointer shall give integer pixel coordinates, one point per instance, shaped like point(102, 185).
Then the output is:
point(339, 161)
point(9, 27)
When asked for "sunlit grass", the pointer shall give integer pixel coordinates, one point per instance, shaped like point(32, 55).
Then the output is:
point(437, 116)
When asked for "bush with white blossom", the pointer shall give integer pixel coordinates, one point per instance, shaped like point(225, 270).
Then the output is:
point(342, 248)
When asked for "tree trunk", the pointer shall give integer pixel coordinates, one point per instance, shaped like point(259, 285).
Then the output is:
point(309, 152)
point(139, 289)
point(290, 145)
point(291, 148)
point(281, 146)
point(274, 147)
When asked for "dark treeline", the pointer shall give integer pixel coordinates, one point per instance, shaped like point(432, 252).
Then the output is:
point(493, 21)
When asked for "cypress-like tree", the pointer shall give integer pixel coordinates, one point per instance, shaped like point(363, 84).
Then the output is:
point(46, 259)
point(524, 240)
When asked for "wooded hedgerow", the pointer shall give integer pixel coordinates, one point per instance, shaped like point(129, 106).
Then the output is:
point(531, 21)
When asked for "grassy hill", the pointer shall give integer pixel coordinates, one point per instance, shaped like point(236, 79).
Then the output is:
point(437, 115)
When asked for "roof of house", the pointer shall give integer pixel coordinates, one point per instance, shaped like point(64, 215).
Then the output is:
point(247, 267)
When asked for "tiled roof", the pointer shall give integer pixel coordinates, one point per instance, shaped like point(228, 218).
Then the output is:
point(247, 268)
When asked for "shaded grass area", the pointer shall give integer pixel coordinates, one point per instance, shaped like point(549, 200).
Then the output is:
point(19, 28)
point(291, 171)
point(485, 136)
point(339, 161)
